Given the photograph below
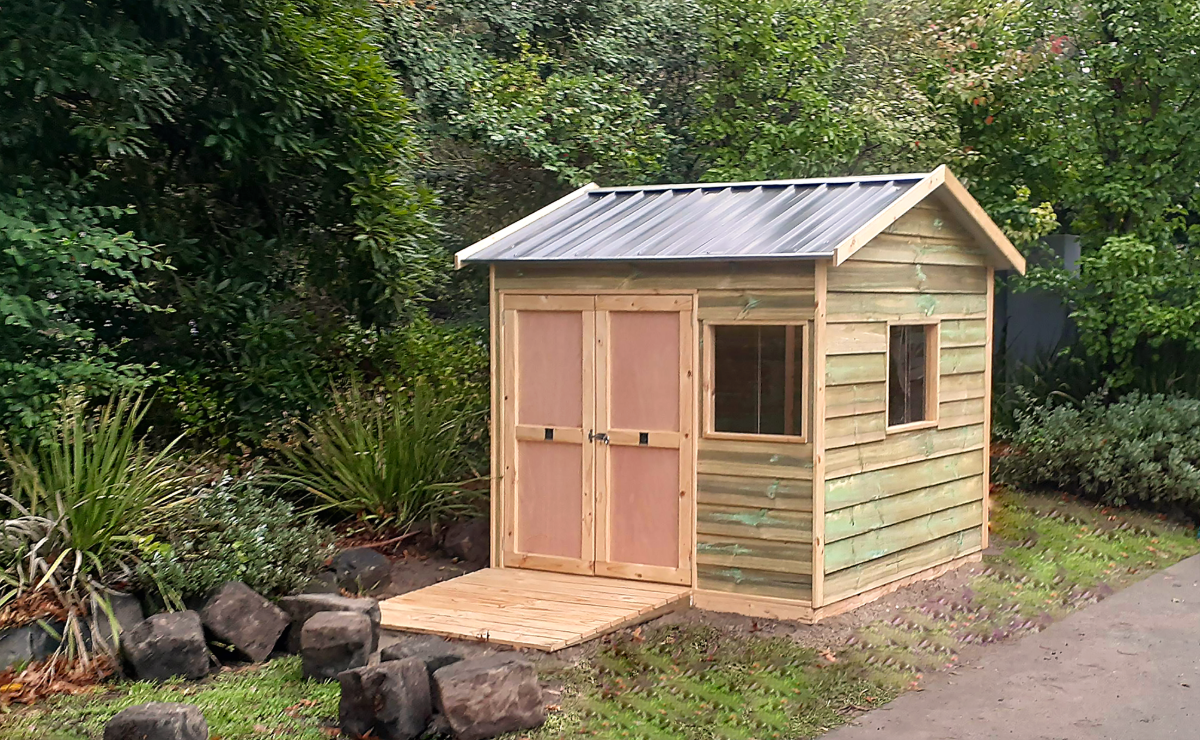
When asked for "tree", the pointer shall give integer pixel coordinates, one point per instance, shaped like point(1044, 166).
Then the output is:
point(263, 148)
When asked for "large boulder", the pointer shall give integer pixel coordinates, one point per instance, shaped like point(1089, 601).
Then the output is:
point(26, 644)
point(158, 721)
point(361, 569)
point(390, 701)
point(117, 615)
point(434, 652)
point(235, 615)
point(167, 645)
point(301, 607)
point(332, 642)
point(469, 541)
point(489, 696)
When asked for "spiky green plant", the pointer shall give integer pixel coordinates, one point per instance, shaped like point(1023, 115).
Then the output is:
point(390, 457)
point(77, 505)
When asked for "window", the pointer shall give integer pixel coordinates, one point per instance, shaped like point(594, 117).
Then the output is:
point(758, 379)
point(912, 373)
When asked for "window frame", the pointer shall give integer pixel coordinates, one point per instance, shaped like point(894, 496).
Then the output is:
point(708, 386)
point(933, 351)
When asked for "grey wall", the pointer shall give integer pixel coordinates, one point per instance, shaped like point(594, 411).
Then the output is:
point(1032, 324)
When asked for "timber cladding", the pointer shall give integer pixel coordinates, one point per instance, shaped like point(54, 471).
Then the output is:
point(901, 500)
point(754, 514)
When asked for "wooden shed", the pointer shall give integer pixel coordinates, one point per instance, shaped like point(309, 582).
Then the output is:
point(773, 395)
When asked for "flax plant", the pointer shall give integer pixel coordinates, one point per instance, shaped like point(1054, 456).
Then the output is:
point(78, 507)
point(386, 456)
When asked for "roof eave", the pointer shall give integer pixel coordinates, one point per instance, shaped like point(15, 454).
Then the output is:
point(954, 195)
point(464, 255)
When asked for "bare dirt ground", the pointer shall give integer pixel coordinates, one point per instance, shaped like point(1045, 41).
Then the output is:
point(412, 570)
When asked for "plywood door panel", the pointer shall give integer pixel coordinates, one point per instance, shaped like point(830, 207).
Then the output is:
point(643, 370)
point(550, 376)
point(643, 506)
point(644, 471)
point(550, 499)
point(548, 409)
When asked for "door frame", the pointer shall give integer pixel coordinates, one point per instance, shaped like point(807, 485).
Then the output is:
point(503, 431)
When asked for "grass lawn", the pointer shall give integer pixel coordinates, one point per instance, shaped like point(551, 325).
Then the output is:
point(697, 681)
point(269, 701)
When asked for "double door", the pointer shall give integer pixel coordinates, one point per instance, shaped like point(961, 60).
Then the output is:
point(597, 417)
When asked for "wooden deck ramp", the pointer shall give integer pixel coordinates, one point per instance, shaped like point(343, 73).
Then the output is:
point(528, 608)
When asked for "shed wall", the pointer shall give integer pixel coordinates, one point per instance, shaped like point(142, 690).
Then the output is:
point(754, 519)
point(899, 503)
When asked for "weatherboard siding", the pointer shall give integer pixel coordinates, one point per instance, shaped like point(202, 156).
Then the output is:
point(754, 521)
point(901, 502)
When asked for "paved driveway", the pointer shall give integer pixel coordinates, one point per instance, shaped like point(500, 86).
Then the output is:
point(1127, 668)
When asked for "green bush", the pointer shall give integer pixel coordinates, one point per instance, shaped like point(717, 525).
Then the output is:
point(234, 531)
point(386, 456)
point(452, 359)
point(1143, 450)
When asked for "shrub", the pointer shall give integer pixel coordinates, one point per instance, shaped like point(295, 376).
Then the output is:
point(234, 531)
point(1143, 450)
point(452, 359)
point(78, 503)
point(386, 456)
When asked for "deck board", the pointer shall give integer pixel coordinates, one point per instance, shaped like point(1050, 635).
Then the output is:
point(529, 608)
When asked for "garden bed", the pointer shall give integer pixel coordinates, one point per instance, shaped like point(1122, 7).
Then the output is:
point(686, 674)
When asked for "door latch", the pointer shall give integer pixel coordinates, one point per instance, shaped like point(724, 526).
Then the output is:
point(592, 436)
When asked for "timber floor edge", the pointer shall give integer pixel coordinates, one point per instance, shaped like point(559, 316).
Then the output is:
point(528, 608)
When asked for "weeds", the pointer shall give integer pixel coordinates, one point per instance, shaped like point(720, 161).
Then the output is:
point(700, 682)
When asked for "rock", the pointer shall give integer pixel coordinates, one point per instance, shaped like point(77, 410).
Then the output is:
point(332, 642)
point(489, 696)
point(324, 582)
point(158, 721)
point(434, 652)
point(390, 701)
point(126, 612)
point(438, 726)
point(302, 607)
point(168, 645)
point(361, 569)
point(469, 541)
point(26, 644)
point(237, 616)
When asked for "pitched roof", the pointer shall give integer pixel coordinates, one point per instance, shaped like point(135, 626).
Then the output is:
point(821, 218)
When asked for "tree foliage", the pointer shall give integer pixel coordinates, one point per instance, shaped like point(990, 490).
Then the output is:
point(261, 149)
point(224, 198)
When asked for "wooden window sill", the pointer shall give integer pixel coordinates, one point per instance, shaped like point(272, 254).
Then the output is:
point(744, 437)
point(913, 426)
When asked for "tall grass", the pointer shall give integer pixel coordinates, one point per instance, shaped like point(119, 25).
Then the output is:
point(385, 456)
point(77, 504)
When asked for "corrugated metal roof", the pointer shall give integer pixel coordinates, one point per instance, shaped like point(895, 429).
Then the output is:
point(798, 218)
